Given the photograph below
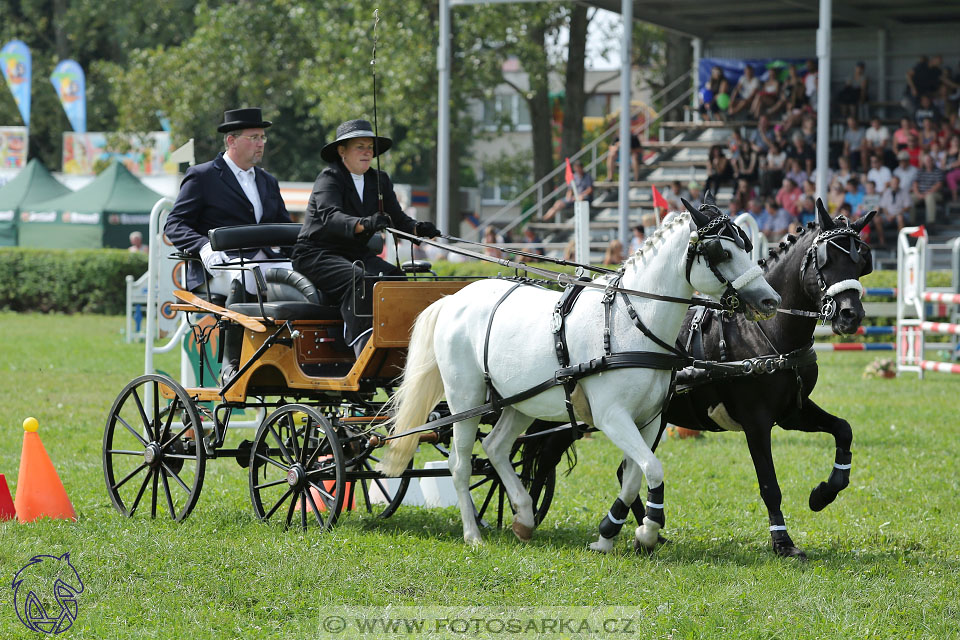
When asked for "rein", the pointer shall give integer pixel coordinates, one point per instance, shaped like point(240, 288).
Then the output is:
point(526, 254)
point(565, 278)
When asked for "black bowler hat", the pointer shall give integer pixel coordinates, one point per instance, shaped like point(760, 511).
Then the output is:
point(238, 119)
point(355, 129)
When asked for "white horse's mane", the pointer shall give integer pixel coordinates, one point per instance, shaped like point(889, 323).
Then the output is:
point(666, 226)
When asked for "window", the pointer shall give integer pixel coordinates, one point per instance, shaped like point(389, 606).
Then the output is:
point(508, 111)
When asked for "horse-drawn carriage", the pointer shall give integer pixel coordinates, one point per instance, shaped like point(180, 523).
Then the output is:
point(467, 352)
point(315, 447)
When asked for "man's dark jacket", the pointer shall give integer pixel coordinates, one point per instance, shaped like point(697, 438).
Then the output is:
point(210, 197)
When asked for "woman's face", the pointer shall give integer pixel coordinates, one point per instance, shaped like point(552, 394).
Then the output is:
point(357, 154)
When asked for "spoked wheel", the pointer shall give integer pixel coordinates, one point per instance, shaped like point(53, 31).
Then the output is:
point(296, 469)
point(489, 492)
point(380, 496)
point(150, 451)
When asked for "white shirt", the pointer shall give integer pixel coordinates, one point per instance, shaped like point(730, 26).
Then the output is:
point(907, 176)
point(248, 182)
point(879, 177)
point(358, 183)
point(877, 137)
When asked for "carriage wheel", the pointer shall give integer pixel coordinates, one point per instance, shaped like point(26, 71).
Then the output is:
point(296, 469)
point(492, 492)
point(381, 496)
point(149, 447)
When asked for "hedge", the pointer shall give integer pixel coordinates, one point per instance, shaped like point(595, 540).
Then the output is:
point(67, 280)
point(93, 280)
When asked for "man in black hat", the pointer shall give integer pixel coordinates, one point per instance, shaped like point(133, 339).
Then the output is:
point(228, 190)
point(342, 215)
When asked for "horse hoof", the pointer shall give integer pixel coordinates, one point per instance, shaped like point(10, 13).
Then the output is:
point(522, 531)
point(821, 496)
point(640, 549)
point(473, 542)
point(789, 551)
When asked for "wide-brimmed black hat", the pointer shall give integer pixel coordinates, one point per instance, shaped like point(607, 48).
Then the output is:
point(355, 129)
point(236, 119)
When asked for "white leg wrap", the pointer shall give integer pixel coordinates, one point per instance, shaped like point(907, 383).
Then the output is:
point(778, 527)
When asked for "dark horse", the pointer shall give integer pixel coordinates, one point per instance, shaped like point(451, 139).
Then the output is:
point(816, 273)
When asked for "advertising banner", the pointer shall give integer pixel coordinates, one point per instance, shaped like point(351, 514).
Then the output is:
point(143, 155)
point(15, 62)
point(13, 147)
point(71, 85)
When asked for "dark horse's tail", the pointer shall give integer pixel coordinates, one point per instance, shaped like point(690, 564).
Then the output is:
point(542, 454)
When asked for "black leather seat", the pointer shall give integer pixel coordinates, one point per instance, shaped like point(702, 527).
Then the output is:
point(289, 296)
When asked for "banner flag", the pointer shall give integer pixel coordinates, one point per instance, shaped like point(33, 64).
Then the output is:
point(659, 200)
point(16, 63)
point(71, 86)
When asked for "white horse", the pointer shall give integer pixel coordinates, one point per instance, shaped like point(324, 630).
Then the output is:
point(448, 349)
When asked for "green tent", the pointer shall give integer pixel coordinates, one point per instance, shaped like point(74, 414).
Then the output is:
point(101, 214)
point(31, 185)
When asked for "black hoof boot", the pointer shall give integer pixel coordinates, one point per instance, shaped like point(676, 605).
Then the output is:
point(821, 496)
point(783, 546)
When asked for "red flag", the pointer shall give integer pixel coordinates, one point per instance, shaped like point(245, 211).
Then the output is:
point(919, 233)
point(659, 200)
point(568, 176)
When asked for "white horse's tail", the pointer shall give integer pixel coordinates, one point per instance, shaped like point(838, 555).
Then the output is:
point(421, 388)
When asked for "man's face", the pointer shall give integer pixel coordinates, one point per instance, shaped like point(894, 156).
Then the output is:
point(246, 147)
point(895, 183)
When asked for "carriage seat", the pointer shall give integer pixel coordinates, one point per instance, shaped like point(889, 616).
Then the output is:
point(289, 296)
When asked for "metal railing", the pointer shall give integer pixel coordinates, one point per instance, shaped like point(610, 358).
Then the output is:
point(596, 159)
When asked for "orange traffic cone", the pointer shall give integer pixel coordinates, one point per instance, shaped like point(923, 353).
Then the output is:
point(7, 512)
point(39, 490)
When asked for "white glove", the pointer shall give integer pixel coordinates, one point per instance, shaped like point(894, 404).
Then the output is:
point(212, 258)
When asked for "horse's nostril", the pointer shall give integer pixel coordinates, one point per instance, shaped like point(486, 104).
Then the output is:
point(771, 303)
point(848, 314)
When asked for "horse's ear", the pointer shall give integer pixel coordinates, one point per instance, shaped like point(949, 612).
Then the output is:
point(708, 198)
point(699, 219)
point(823, 218)
point(858, 225)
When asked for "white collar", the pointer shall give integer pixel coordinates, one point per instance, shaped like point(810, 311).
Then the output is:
point(237, 170)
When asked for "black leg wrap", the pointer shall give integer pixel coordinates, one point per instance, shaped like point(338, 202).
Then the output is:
point(612, 522)
point(655, 505)
point(826, 492)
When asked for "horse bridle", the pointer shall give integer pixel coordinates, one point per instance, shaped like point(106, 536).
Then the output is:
point(817, 254)
point(707, 244)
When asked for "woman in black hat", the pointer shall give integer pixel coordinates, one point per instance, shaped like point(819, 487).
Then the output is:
point(343, 213)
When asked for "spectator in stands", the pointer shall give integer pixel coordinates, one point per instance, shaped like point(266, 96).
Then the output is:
point(927, 189)
point(788, 195)
point(531, 238)
point(843, 172)
point(637, 239)
point(905, 171)
point(778, 223)
point(742, 195)
point(894, 204)
point(914, 149)
point(802, 152)
point(878, 173)
point(926, 109)
point(771, 173)
point(735, 144)
point(719, 169)
point(744, 91)
point(922, 80)
point(746, 166)
point(491, 237)
point(810, 83)
point(761, 137)
point(854, 194)
point(794, 172)
point(136, 243)
point(810, 188)
point(877, 139)
point(929, 134)
point(672, 194)
point(901, 137)
point(570, 250)
point(871, 199)
point(946, 131)
point(808, 127)
point(951, 167)
point(756, 209)
point(939, 154)
point(709, 93)
point(694, 188)
point(806, 211)
point(836, 196)
point(767, 95)
point(792, 100)
point(854, 92)
point(582, 182)
point(853, 144)
point(636, 154)
point(614, 253)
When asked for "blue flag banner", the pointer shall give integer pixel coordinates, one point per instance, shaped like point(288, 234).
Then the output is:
point(71, 86)
point(16, 63)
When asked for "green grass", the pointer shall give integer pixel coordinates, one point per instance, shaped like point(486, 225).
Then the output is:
point(883, 561)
